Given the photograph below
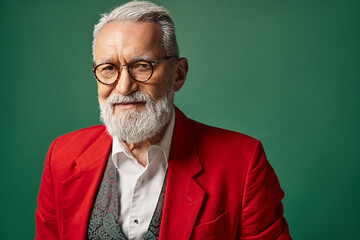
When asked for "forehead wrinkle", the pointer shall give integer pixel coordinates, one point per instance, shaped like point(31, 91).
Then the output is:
point(119, 47)
point(110, 44)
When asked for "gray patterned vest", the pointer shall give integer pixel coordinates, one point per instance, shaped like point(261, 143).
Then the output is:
point(104, 219)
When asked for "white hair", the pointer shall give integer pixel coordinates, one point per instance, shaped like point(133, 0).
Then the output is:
point(142, 11)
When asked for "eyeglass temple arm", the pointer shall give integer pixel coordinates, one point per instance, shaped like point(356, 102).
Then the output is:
point(162, 60)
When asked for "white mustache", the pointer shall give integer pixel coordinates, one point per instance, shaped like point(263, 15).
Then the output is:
point(133, 97)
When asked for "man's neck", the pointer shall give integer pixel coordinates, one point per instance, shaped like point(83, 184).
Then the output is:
point(139, 150)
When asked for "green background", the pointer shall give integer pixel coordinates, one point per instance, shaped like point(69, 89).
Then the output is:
point(286, 72)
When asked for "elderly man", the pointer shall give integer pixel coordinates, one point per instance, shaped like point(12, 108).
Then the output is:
point(153, 173)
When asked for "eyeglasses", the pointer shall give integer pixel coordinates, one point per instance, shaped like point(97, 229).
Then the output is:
point(141, 70)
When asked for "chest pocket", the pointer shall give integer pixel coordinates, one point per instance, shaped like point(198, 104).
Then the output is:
point(216, 229)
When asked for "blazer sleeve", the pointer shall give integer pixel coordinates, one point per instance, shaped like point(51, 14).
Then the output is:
point(45, 216)
point(262, 210)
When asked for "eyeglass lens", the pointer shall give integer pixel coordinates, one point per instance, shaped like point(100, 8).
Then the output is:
point(108, 73)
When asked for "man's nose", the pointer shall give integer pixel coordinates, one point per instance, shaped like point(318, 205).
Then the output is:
point(126, 84)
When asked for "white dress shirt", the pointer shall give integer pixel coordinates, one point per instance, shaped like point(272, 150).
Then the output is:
point(140, 186)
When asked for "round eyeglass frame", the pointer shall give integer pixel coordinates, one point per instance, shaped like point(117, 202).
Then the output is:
point(152, 64)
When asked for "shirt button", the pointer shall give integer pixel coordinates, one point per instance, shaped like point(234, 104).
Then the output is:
point(141, 181)
point(136, 221)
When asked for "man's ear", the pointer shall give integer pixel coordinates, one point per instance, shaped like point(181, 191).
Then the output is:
point(181, 69)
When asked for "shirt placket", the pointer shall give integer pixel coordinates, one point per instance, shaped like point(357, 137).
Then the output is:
point(135, 220)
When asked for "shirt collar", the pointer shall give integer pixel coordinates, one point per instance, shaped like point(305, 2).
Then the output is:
point(121, 152)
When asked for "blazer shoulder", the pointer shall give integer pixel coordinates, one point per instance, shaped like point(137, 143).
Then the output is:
point(73, 144)
point(84, 132)
point(224, 150)
point(81, 135)
point(222, 137)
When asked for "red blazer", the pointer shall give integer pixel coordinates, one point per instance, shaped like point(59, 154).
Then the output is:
point(219, 186)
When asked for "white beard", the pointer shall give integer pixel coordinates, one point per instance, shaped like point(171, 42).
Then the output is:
point(133, 125)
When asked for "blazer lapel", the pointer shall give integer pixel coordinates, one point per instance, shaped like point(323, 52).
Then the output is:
point(183, 196)
point(79, 190)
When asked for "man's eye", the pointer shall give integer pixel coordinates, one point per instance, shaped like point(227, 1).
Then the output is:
point(106, 71)
point(107, 68)
point(140, 66)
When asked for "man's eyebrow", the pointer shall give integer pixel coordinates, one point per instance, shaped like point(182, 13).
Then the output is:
point(134, 59)
point(108, 60)
point(142, 57)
